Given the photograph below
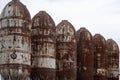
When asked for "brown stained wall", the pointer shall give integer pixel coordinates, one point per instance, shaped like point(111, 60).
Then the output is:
point(43, 47)
point(100, 58)
point(84, 55)
point(15, 43)
point(66, 51)
point(113, 60)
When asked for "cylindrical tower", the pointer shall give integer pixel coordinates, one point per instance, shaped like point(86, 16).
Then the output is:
point(66, 51)
point(100, 57)
point(15, 42)
point(113, 60)
point(43, 47)
point(85, 57)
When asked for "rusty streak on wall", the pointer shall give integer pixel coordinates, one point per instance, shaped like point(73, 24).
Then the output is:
point(100, 57)
point(85, 55)
point(66, 51)
point(113, 60)
point(43, 47)
point(15, 43)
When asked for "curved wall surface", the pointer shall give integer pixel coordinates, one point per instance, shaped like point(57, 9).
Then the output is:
point(15, 43)
point(43, 47)
point(66, 51)
point(100, 57)
point(85, 56)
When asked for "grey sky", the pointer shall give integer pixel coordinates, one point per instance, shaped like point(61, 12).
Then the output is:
point(98, 16)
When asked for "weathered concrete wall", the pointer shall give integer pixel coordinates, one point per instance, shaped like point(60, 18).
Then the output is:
point(43, 47)
point(15, 43)
point(100, 57)
point(113, 60)
point(66, 51)
point(85, 56)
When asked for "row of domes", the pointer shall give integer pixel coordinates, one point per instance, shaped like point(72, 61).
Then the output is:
point(15, 9)
point(15, 14)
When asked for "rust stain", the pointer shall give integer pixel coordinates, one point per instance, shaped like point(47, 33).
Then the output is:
point(43, 47)
point(66, 51)
point(85, 56)
point(12, 65)
point(113, 60)
point(100, 57)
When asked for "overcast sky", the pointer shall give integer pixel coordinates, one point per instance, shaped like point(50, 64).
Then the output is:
point(98, 16)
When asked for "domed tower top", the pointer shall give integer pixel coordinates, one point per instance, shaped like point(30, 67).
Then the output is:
point(112, 45)
point(15, 9)
point(84, 35)
point(42, 20)
point(15, 0)
point(66, 28)
point(99, 40)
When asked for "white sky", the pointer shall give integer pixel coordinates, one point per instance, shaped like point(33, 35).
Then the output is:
point(98, 16)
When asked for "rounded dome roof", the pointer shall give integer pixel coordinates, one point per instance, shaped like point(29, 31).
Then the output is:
point(42, 19)
point(83, 35)
point(66, 28)
point(112, 45)
point(15, 9)
point(99, 40)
